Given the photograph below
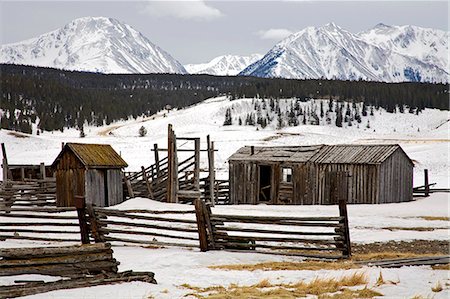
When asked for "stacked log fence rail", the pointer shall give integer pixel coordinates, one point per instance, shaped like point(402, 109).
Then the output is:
point(148, 227)
point(49, 224)
point(320, 237)
point(28, 193)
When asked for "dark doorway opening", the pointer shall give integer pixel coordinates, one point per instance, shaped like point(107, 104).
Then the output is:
point(265, 183)
point(105, 181)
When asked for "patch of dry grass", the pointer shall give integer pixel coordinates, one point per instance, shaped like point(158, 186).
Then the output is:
point(437, 287)
point(441, 267)
point(277, 266)
point(435, 218)
point(387, 255)
point(324, 288)
point(18, 135)
point(414, 228)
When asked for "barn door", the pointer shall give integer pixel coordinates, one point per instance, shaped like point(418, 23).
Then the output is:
point(336, 186)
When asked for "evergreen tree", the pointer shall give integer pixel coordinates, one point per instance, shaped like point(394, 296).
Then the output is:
point(330, 104)
point(364, 109)
point(228, 119)
point(338, 121)
point(142, 131)
point(280, 122)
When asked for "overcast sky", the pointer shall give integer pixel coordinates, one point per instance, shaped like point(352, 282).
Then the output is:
point(197, 31)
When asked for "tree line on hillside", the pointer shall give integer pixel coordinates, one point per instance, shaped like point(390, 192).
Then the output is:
point(56, 99)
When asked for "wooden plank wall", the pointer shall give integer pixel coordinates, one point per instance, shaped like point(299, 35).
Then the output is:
point(69, 180)
point(396, 179)
point(95, 187)
point(362, 186)
point(115, 187)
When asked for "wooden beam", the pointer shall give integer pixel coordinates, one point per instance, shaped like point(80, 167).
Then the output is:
point(211, 173)
point(201, 225)
point(42, 170)
point(80, 204)
point(197, 164)
point(427, 185)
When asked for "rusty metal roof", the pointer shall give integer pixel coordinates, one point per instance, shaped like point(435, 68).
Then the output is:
point(333, 154)
point(94, 155)
point(276, 154)
point(355, 153)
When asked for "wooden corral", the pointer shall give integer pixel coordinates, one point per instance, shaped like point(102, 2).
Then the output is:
point(93, 171)
point(301, 174)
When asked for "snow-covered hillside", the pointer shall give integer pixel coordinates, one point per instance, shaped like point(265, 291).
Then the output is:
point(399, 54)
point(425, 137)
point(93, 44)
point(225, 65)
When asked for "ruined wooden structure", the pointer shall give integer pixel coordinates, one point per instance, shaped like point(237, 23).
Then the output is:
point(22, 172)
point(302, 174)
point(93, 171)
point(79, 266)
point(176, 176)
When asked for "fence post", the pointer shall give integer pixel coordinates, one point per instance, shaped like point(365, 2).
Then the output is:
point(427, 186)
point(201, 224)
point(95, 227)
point(342, 195)
point(80, 205)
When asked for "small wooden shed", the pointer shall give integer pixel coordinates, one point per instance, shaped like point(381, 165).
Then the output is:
point(302, 174)
point(90, 170)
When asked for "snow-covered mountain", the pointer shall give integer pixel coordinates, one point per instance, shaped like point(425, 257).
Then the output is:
point(426, 44)
point(226, 65)
point(94, 44)
point(381, 54)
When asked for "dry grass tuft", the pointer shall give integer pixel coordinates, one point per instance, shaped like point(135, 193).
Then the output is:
point(347, 293)
point(277, 266)
point(437, 287)
point(387, 255)
point(441, 267)
point(414, 228)
point(322, 287)
point(18, 135)
point(435, 218)
point(380, 280)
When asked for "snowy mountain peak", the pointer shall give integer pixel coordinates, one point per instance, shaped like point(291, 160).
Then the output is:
point(225, 65)
point(383, 53)
point(96, 44)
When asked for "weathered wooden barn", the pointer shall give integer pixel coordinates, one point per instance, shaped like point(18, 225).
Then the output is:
point(90, 170)
point(302, 174)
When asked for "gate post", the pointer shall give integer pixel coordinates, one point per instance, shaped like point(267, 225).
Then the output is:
point(80, 205)
point(342, 195)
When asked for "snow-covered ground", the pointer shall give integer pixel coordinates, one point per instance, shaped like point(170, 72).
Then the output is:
point(424, 137)
point(176, 266)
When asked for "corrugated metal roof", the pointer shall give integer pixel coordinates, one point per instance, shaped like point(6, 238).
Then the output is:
point(276, 154)
point(339, 154)
point(354, 154)
point(94, 155)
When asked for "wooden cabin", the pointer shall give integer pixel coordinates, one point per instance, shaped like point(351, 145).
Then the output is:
point(90, 170)
point(302, 174)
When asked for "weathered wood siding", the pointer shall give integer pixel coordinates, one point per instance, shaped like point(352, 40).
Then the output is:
point(95, 187)
point(69, 180)
point(115, 187)
point(396, 179)
point(362, 183)
point(368, 183)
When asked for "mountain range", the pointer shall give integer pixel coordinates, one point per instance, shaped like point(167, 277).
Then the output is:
point(225, 65)
point(383, 53)
point(93, 44)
